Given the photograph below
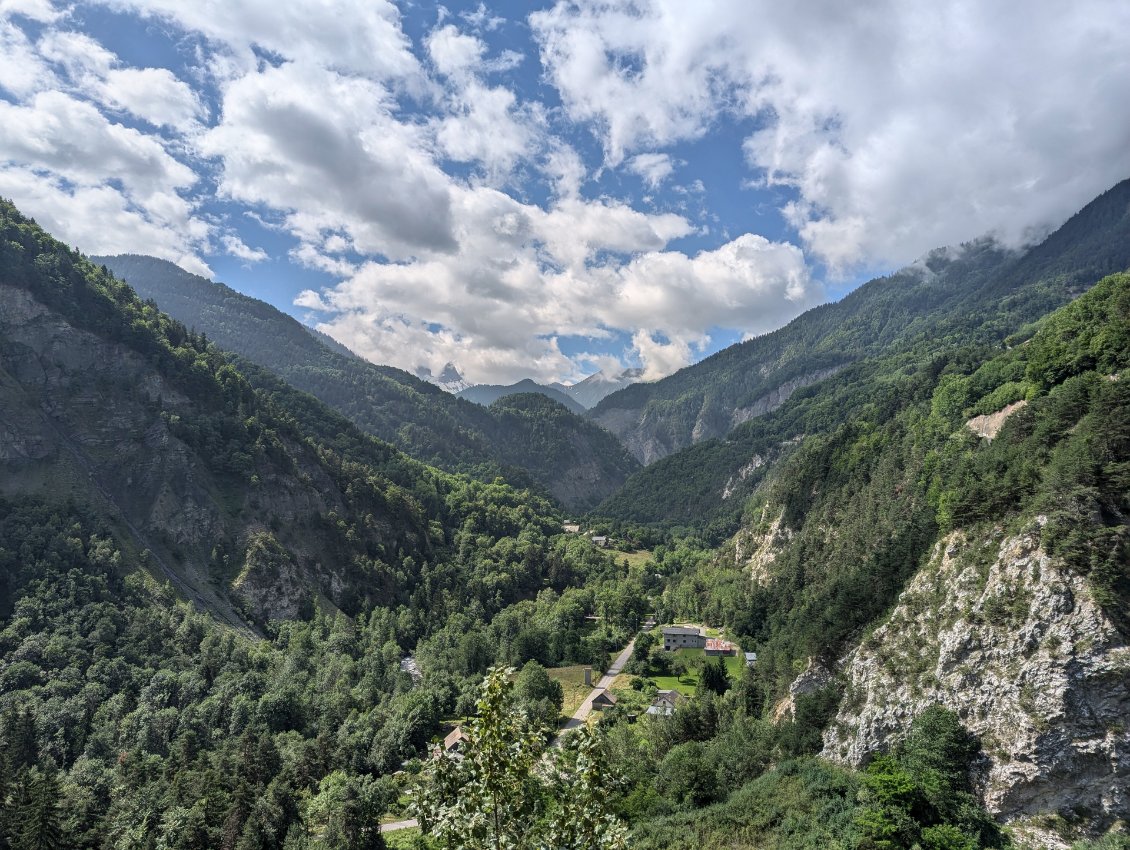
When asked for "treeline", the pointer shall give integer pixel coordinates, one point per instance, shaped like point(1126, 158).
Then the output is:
point(972, 299)
point(531, 444)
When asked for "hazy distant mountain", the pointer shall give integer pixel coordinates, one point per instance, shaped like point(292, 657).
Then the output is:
point(598, 385)
point(488, 394)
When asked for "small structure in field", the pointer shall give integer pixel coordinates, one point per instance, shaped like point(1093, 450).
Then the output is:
point(715, 646)
point(602, 701)
point(453, 743)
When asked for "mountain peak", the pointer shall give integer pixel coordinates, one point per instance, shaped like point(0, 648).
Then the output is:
point(449, 378)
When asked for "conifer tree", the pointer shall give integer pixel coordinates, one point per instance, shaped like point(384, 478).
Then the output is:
point(38, 823)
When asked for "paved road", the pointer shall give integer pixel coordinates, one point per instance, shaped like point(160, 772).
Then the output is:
point(605, 682)
point(398, 825)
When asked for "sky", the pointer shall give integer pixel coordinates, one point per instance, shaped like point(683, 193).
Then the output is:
point(547, 189)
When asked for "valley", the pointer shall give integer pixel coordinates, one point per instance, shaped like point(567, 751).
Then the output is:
point(220, 535)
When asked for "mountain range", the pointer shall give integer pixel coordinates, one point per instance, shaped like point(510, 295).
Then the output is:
point(584, 465)
point(220, 535)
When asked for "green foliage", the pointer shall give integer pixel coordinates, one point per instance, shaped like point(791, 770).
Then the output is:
point(491, 795)
point(715, 677)
point(921, 794)
point(977, 297)
point(486, 796)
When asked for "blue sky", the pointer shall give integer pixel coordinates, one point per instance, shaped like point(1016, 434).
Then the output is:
point(541, 190)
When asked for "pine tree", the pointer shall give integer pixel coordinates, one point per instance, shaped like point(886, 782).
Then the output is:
point(38, 822)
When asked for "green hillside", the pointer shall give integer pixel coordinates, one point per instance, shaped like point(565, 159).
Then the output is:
point(413, 415)
point(880, 337)
point(978, 292)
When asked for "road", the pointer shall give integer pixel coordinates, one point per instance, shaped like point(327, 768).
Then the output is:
point(605, 682)
point(398, 825)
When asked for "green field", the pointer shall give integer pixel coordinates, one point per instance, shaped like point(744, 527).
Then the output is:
point(573, 686)
point(634, 559)
point(695, 659)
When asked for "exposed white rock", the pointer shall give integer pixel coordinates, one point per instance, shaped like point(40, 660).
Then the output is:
point(1002, 634)
point(756, 549)
point(755, 463)
point(988, 425)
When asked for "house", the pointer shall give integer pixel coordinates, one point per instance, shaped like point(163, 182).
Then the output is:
point(572, 528)
point(602, 701)
point(750, 659)
point(453, 743)
point(714, 646)
point(600, 540)
point(665, 703)
point(683, 637)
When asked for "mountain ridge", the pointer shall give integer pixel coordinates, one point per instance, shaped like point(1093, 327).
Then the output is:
point(408, 412)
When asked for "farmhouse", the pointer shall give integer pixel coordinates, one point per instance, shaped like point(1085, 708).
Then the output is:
point(453, 743)
point(683, 637)
point(665, 703)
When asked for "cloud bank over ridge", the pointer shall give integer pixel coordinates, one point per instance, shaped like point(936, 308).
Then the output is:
point(538, 197)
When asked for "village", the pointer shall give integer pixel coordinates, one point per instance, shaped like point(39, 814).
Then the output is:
point(689, 649)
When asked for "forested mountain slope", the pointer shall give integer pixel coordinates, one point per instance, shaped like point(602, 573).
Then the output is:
point(967, 546)
point(488, 394)
point(949, 293)
point(415, 416)
point(879, 337)
point(259, 499)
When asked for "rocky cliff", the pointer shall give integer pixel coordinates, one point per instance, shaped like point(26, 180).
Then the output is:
point(89, 418)
point(1003, 634)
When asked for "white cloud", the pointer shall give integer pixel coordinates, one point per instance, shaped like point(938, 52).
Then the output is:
point(653, 168)
point(355, 36)
point(901, 126)
point(22, 70)
point(523, 276)
point(328, 150)
point(661, 357)
point(237, 248)
point(75, 140)
point(99, 219)
point(152, 94)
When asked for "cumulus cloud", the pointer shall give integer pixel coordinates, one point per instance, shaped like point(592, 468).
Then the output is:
point(327, 149)
point(652, 168)
point(458, 208)
point(524, 277)
point(355, 36)
point(969, 118)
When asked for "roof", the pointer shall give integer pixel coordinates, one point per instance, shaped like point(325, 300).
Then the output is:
point(681, 630)
point(604, 697)
point(670, 697)
point(454, 737)
point(718, 645)
point(750, 657)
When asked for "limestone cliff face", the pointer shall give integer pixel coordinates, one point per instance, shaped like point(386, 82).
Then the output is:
point(999, 632)
point(654, 431)
point(756, 547)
